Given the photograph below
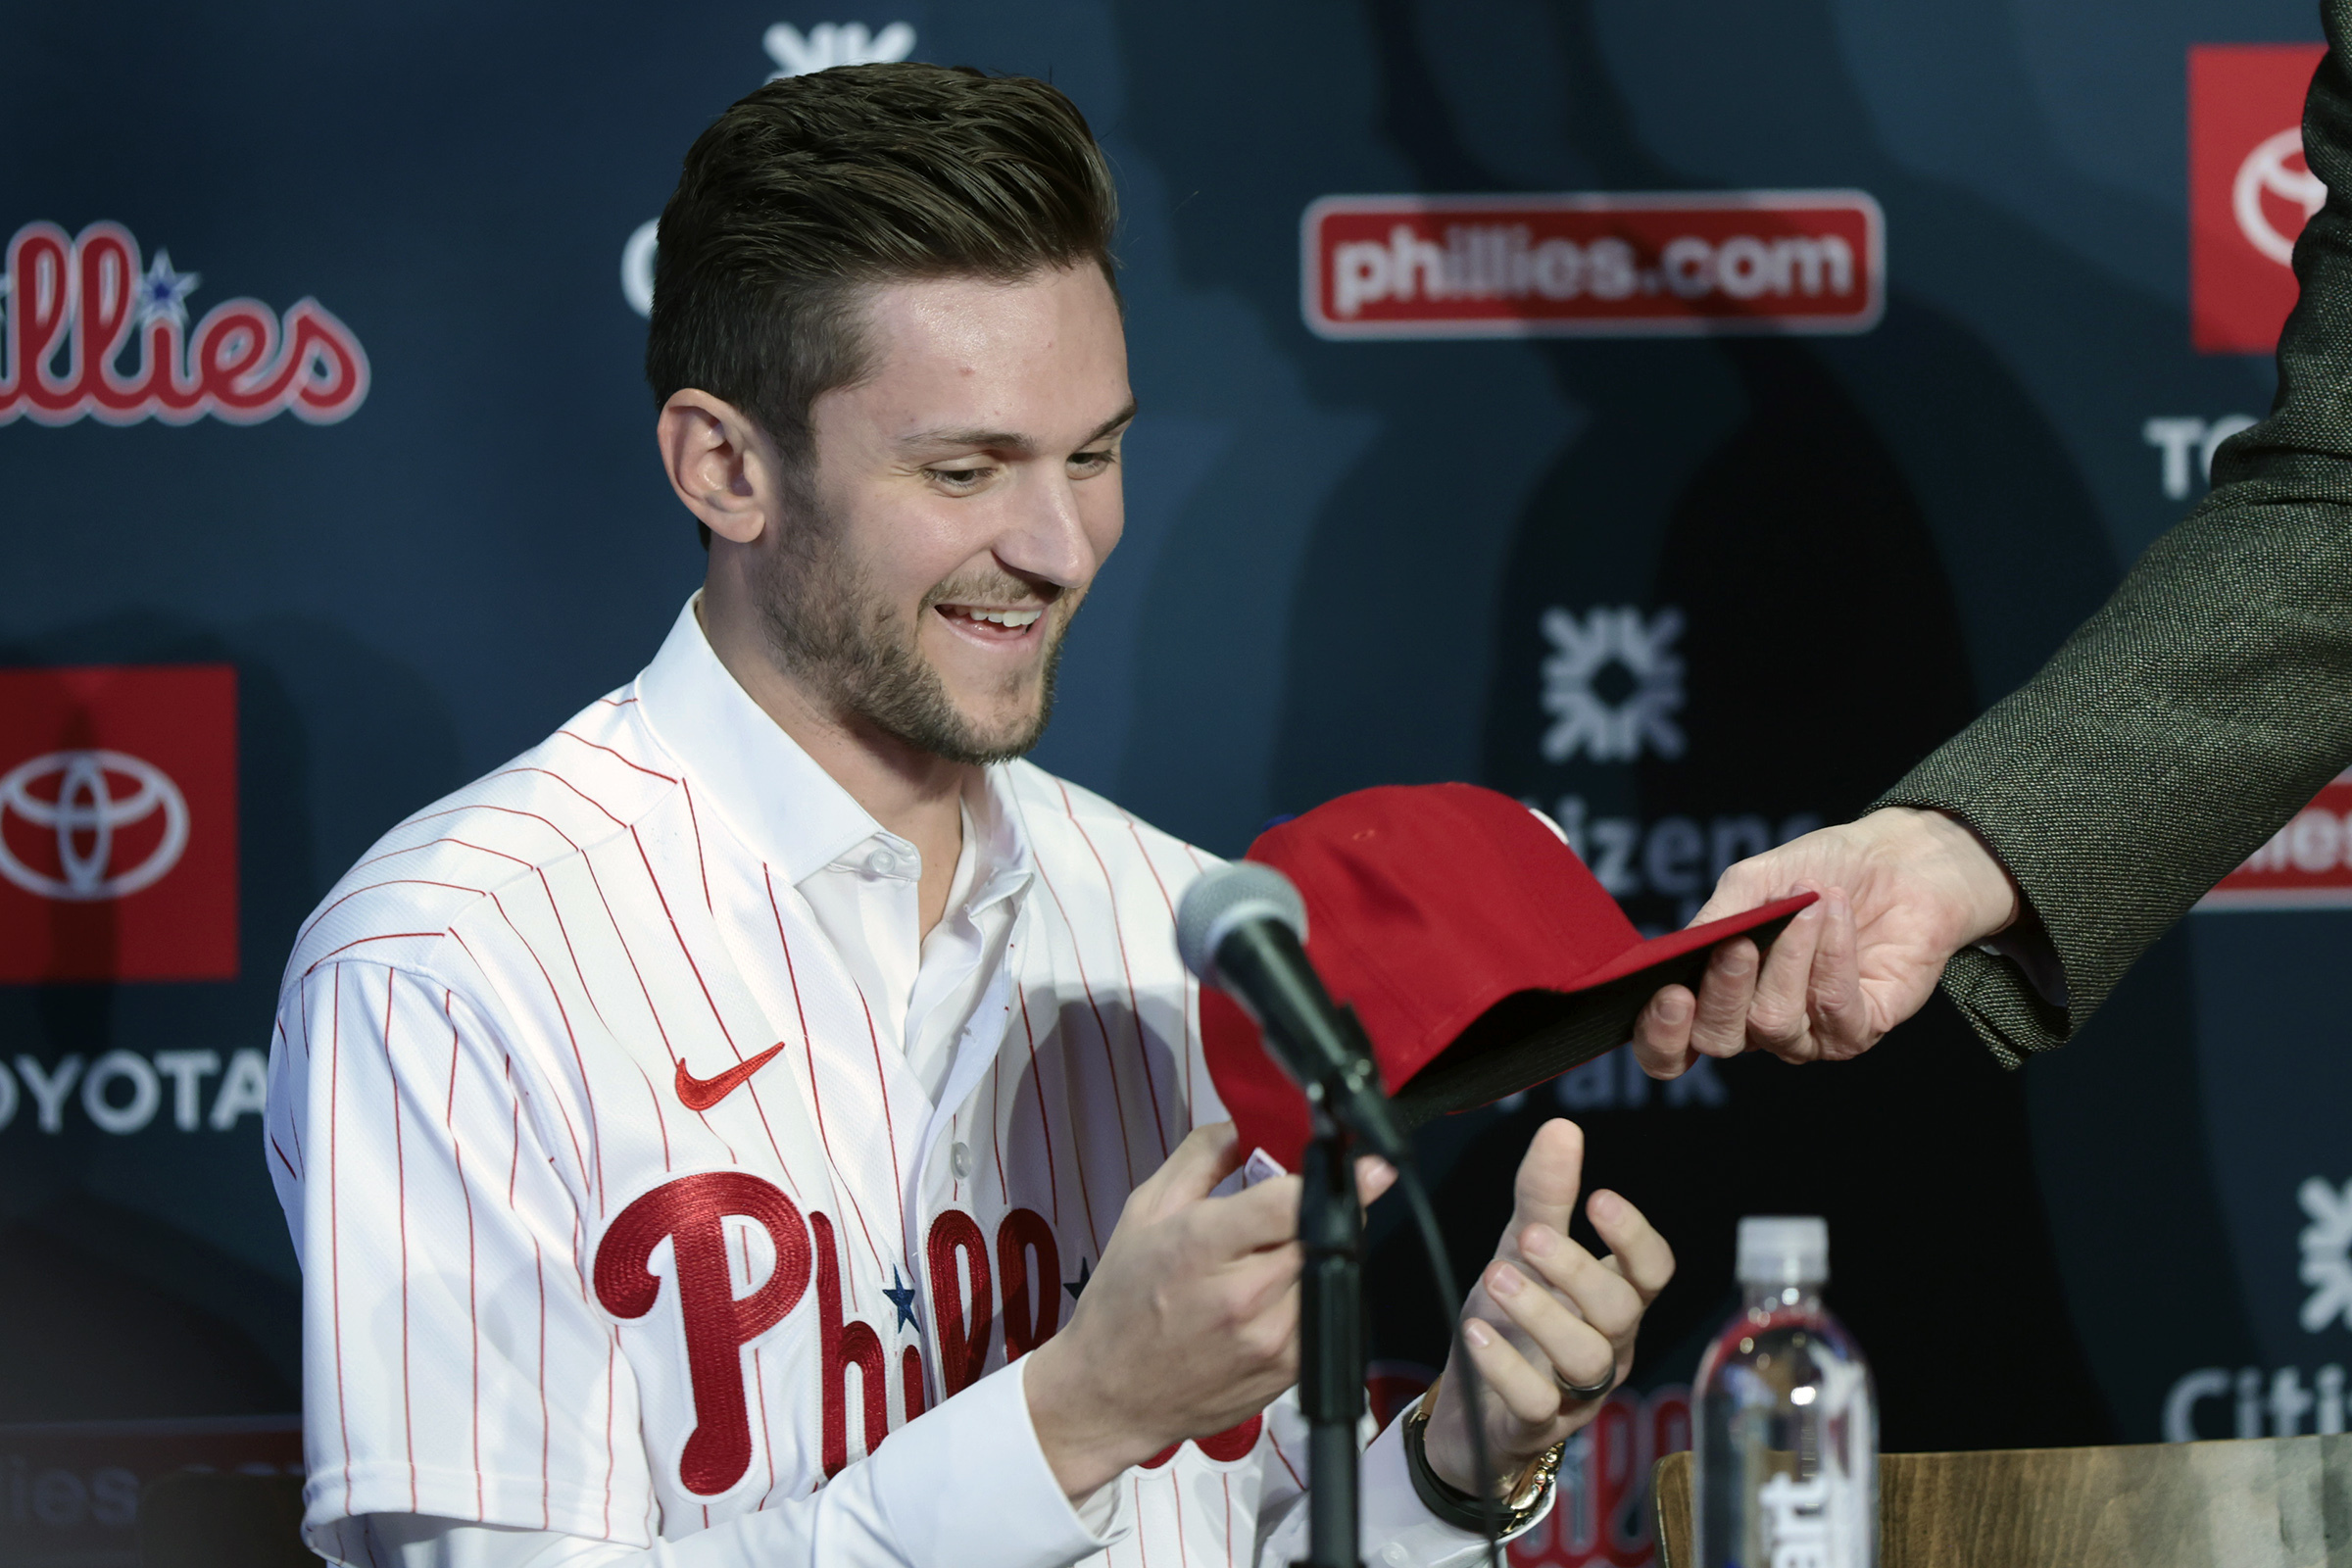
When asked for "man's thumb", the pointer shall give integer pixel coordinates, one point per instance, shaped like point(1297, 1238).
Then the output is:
point(1209, 1154)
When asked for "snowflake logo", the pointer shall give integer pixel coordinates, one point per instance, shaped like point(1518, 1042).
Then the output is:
point(834, 43)
point(1583, 718)
point(2327, 1253)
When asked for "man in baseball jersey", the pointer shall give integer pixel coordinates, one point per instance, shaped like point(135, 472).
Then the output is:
point(769, 1064)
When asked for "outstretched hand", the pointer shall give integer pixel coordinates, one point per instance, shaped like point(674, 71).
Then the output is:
point(1546, 1313)
point(1902, 891)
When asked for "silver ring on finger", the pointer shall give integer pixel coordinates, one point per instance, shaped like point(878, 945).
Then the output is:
point(1584, 1394)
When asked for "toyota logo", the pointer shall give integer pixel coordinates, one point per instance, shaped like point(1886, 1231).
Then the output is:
point(2265, 173)
point(84, 810)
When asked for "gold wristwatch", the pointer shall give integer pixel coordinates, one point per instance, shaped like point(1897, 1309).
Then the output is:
point(1460, 1508)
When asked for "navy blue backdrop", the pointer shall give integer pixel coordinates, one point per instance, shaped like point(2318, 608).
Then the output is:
point(1801, 559)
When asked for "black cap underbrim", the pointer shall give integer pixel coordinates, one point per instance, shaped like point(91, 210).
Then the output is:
point(1531, 1037)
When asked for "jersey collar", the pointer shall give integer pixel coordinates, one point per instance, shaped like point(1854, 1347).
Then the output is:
point(791, 812)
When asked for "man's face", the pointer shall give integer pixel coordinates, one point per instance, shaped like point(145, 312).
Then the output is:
point(965, 494)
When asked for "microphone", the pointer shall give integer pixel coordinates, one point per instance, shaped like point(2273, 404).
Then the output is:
point(1243, 928)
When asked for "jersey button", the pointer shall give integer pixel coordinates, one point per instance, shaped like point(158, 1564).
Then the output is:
point(882, 863)
point(959, 1160)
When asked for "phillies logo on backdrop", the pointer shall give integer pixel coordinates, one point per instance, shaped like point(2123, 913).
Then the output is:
point(2249, 190)
point(76, 309)
point(1673, 264)
point(118, 824)
point(2307, 864)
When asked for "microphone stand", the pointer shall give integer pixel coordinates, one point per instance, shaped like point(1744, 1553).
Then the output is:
point(1331, 1362)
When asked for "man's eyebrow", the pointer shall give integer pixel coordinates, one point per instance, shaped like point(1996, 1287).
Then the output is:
point(1111, 423)
point(1007, 440)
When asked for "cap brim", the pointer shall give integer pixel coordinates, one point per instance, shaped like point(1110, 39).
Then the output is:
point(1531, 1037)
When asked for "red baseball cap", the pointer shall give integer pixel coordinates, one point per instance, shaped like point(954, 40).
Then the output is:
point(1478, 951)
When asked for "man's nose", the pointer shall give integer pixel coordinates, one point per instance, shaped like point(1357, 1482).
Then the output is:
point(1045, 536)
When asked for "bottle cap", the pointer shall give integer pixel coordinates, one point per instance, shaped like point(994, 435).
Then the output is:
point(1784, 1249)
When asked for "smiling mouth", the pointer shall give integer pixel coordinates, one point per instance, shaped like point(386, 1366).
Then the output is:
point(991, 625)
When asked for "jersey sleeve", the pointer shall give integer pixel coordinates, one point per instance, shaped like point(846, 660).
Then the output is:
point(453, 1361)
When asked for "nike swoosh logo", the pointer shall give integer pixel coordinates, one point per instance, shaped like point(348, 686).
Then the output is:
point(701, 1094)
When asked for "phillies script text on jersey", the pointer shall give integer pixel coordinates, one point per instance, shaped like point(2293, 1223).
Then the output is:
point(74, 306)
point(1673, 262)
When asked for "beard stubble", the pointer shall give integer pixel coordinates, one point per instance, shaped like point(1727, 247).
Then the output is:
point(831, 628)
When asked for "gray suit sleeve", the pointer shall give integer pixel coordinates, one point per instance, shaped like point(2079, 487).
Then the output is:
point(2210, 698)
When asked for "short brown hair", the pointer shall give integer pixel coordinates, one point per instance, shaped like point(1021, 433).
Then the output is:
point(814, 188)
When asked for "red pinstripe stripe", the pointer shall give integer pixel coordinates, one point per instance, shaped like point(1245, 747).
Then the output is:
point(294, 1122)
point(612, 1455)
point(1118, 1101)
point(1276, 1442)
point(283, 1160)
point(547, 1428)
point(1226, 1480)
point(358, 942)
point(1142, 1553)
point(399, 1188)
point(1037, 1082)
point(616, 756)
point(660, 1122)
point(579, 1156)
point(816, 1092)
point(652, 1011)
point(898, 1183)
point(744, 1236)
point(767, 1439)
point(695, 822)
point(515, 1165)
point(510, 811)
point(1176, 1490)
point(1192, 1116)
point(617, 702)
point(312, 924)
point(334, 1214)
point(1190, 1047)
point(713, 1003)
point(482, 849)
point(1137, 833)
point(596, 1140)
point(996, 1119)
point(473, 1325)
point(505, 772)
point(1118, 931)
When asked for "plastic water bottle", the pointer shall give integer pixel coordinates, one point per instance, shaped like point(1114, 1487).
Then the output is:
point(1787, 1454)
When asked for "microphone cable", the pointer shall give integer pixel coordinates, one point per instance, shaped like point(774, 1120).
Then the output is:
point(1449, 1303)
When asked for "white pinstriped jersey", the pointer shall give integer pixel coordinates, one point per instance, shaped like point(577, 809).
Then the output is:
point(619, 1220)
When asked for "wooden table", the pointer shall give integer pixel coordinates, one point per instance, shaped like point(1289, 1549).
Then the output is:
point(2266, 1502)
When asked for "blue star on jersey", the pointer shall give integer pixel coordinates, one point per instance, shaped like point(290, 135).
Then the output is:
point(901, 1296)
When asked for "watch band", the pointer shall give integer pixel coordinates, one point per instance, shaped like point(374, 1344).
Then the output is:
point(1460, 1508)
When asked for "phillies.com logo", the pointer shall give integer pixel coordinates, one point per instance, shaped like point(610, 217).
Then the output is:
point(73, 308)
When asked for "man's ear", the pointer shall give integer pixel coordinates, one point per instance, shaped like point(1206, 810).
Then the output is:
point(720, 464)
